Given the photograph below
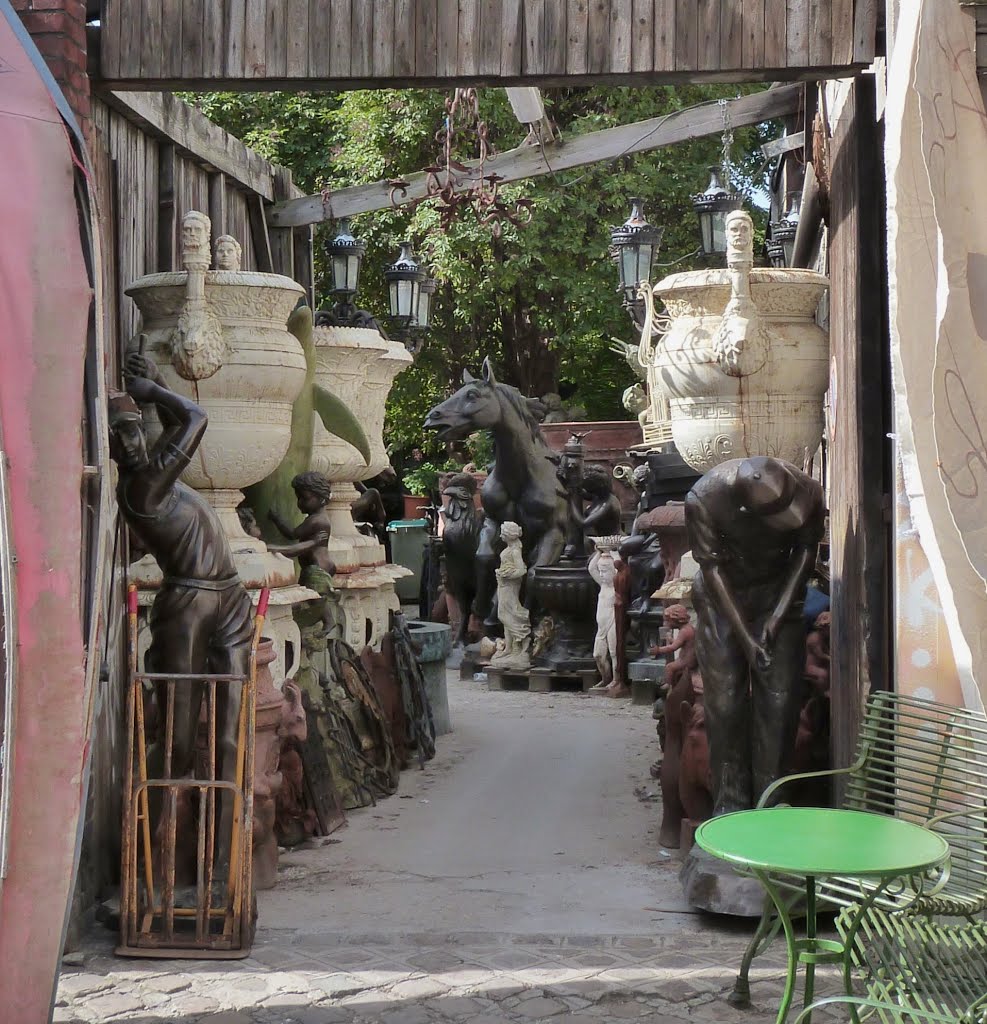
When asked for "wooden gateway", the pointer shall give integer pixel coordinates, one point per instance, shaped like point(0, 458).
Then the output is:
point(306, 44)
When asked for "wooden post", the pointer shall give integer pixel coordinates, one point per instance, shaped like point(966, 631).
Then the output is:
point(282, 243)
point(167, 233)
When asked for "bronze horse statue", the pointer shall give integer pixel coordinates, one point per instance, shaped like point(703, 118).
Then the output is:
point(523, 486)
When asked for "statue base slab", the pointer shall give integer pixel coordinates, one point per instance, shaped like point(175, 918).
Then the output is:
point(711, 884)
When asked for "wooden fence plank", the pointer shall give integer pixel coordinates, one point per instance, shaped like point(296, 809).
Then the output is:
point(469, 37)
point(426, 39)
point(404, 38)
point(820, 31)
point(340, 55)
point(664, 35)
point(774, 33)
point(842, 19)
point(282, 239)
point(511, 45)
point(555, 37)
point(362, 39)
point(598, 46)
point(687, 35)
point(491, 22)
point(709, 34)
point(130, 37)
point(299, 28)
point(621, 15)
point(109, 57)
point(534, 37)
point(753, 22)
point(731, 34)
point(865, 17)
point(319, 39)
point(255, 39)
point(215, 18)
point(217, 206)
point(577, 37)
point(277, 39)
point(236, 19)
point(165, 207)
point(643, 35)
point(171, 37)
point(447, 38)
point(192, 51)
point(383, 29)
point(797, 31)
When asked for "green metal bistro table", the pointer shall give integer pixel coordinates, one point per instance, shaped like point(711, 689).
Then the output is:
point(820, 842)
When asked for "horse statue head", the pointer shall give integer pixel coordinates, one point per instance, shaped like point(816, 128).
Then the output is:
point(480, 405)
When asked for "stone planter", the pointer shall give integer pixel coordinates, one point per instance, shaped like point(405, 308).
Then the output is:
point(358, 365)
point(763, 397)
point(248, 399)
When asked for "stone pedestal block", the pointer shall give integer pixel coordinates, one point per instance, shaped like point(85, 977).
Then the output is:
point(712, 884)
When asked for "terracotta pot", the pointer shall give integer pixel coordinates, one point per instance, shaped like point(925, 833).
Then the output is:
point(267, 776)
point(413, 504)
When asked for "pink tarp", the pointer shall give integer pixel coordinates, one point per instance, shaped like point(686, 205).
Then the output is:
point(44, 308)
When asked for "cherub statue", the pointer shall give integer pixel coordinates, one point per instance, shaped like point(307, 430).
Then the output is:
point(817, 654)
point(602, 515)
point(514, 650)
point(313, 491)
point(635, 401)
point(677, 616)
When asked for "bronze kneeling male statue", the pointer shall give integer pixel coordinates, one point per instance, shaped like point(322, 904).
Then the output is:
point(755, 526)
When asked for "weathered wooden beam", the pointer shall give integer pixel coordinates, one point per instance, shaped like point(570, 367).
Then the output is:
point(168, 118)
point(778, 147)
point(533, 161)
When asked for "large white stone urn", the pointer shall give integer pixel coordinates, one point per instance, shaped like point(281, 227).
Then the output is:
point(743, 364)
point(357, 365)
point(257, 371)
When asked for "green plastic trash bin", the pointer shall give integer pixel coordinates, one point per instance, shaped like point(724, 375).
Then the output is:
point(408, 537)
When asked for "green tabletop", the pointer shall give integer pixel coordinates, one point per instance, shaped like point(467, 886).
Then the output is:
point(821, 841)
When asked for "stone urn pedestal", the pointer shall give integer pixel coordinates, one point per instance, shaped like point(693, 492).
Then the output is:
point(357, 365)
point(743, 364)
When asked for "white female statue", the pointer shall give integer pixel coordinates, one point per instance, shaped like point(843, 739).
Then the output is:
point(603, 568)
point(514, 651)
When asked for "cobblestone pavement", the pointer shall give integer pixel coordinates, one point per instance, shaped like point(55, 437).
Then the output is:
point(575, 917)
point(653, 981)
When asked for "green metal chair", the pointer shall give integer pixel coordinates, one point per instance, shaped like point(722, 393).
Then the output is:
point(916, 969)
point(919, 760)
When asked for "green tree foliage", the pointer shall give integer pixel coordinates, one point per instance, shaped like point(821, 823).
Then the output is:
point(541, 301)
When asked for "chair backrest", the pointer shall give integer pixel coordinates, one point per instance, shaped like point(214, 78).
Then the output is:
point(921, 759)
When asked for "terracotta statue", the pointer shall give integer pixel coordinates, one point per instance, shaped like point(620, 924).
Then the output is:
point(695, 776)
point(313, 492)
point(677, 617)
point(198, 345)
point(755, 525)
point(229, 253)
point(201, 620)
point(602, 515)
point(603, 569)
point(514, 651)
point(460, 539)
point(817, 654)
point(682, 694)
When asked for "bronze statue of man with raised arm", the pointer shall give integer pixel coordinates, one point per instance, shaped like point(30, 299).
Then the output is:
point(201, 619)
point(755, 526)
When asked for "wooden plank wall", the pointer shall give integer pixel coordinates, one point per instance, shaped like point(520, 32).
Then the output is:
point(859, 470)
point(367, 43)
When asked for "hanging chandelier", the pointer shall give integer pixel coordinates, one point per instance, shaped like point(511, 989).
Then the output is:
point(455, 187)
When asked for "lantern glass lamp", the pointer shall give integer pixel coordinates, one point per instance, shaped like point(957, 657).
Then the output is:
point(634, 244)
point(783, 231)
point(345, 256)
point(426, 296)
point(776, 254)
point(713, 206)
point(404, 281)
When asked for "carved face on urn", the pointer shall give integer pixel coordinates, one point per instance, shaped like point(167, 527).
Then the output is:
point(196, 230)
point(740, 238)
point(228, 253)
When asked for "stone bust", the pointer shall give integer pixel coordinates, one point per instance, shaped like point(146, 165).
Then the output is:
point(229, 253)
